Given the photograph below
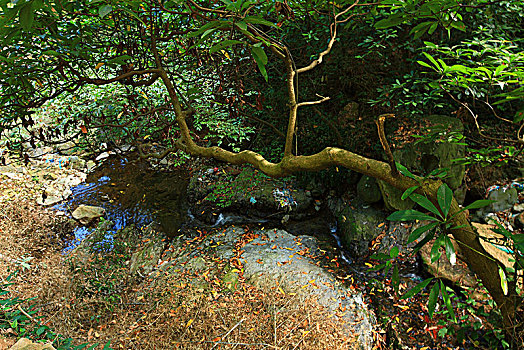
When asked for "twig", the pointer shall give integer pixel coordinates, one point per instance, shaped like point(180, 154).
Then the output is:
point(231, 330)
point(26, 314)
point(382, 136)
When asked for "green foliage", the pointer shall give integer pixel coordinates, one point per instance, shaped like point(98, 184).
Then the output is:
point(22, 318)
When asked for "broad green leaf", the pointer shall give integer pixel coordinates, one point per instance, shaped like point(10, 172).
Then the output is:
point(429, 57)
point(404, 171)
point(450, 250)
point(422, 63)
point(479, 204)
point(258, 20)
point(261, 59)
point(420, 29)
point(408, 215)
point(207, 26)
point(241, 25)
point(425, 203)
point(408, 192)
point(435, 249)
point(415, 290)
point(519, 116)
point(447, 300)
point(444, 198)
point(26, 16)
point(503, 281)
point(458, 68)
point(433, 28)
point(105, 10)
point(415, 234)
point(391, 21)
point(432, 301)
point(223, 45)
point(394, 252)
point(395, 279)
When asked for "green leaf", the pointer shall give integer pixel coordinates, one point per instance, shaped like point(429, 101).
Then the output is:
point(241, 25)
point(415, 234)
point(429, 57)
point(435, 250)
point(394, 252)
point(411, 214)
point(450, 250)
point(503, 281)
point(432, 301)
point(395, 279)
point(408, 192)
point(391, 21)
point(258, 20)
point(420, 29)
point(26, 16)
point(223, 45)
point(422, 63)
point(425, 203)
point(479, 204)
point(447, 301)
point(415, 290)
point(404, 171)
point(519, 116)
point(105, 10)
point(41, 330)
point(433, 28)
point(261, 59)
point(444, 198)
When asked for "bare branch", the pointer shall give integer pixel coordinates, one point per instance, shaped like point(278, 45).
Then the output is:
point(309, 103)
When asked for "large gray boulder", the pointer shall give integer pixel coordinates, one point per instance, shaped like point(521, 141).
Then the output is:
point(272, 259)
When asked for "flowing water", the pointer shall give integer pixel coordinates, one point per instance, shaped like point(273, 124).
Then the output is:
point(132, 193)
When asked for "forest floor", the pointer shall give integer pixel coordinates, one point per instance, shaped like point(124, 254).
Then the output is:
point(39, 282)
point(40, 287)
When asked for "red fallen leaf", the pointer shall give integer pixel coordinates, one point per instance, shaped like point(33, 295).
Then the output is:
point(84, 129)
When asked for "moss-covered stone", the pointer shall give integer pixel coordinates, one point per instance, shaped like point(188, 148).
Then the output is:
point(368, 190)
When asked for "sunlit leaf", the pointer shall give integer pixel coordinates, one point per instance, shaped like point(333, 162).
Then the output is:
point(415, 290)
point(444, 198)
point(425, 203)
point(432, 301)
point(408, 215)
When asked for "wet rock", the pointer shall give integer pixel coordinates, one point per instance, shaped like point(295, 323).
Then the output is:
point(358, 225)
point(392, 197)
point(250, 194)
point(90, 166)
point(77, 163)
point(40, 151)
point(26, 344)
point(67, 148)
point(86, 214)
point(368, 190)
point(103, 155)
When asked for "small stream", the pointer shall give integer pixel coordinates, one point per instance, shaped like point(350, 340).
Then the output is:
point(131, 193)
